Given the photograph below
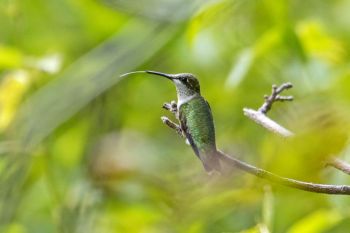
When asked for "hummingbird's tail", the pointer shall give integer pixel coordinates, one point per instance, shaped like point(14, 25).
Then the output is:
point(211, 162)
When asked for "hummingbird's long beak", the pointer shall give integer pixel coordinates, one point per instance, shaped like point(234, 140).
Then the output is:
point(168, 76)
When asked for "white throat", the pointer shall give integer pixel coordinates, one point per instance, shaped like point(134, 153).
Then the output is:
point(183, 93)
point(184, 99)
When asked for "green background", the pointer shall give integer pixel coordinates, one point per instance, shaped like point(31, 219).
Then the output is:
point(83, 150)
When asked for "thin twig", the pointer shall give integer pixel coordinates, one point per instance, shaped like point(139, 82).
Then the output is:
point(269, 100)
point(339, 164)
point(306, 186)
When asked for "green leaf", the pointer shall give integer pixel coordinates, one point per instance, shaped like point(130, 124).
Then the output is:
point(316, 222)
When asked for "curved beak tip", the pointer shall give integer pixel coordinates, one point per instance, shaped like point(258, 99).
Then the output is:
point(133, 72)
point(168, 76)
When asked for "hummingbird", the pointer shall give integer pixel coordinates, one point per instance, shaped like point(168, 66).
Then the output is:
point(195, 118)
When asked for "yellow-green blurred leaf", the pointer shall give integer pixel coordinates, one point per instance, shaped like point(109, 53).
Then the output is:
point(316, 222)
point(204, 16)
point(10, 57)
point(15, 228)
point(12, 88)
point(319, 44)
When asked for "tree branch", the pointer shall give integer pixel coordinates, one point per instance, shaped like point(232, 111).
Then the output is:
point(339, 164)
point(260, 118)
point(261, 173)
point(306, 186)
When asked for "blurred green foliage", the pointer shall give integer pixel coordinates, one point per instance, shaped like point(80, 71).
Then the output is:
point(84, 151)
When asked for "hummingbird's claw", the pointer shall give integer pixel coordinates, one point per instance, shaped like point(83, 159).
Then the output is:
point(172, 106)
point(167, 106)
point(172, 125)
point(164, 119)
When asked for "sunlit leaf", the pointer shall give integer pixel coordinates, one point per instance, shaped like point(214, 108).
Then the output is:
point(254, 229)
point(318, 43)
point(12, 88)
point(240, 68)
point(10, 57)
point(204, 16)
point(68, 148)
point(244, 61)
point(268, 41)
point(15, 228)
point(316, 222)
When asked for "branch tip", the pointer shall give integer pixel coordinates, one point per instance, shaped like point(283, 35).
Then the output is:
point(260, 118)
point(338, 164)
point(270, 99)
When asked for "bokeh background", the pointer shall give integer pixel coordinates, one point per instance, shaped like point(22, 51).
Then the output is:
point(83, 150)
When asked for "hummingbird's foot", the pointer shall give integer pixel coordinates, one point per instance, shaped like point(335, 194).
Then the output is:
point(172, 125)
point(172, 107)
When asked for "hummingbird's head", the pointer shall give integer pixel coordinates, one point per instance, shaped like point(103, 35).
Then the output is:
point(186, 84)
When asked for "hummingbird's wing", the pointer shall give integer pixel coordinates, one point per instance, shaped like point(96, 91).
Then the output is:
point(208, 106)
point(196, 122)
point(188, 128)
point(185, 129)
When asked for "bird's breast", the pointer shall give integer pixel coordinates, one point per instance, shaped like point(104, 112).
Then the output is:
point(197, 121)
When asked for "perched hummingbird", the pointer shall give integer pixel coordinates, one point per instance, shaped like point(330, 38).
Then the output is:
point(195, 118)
